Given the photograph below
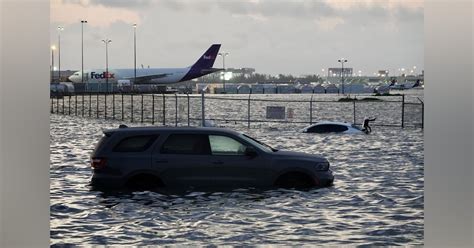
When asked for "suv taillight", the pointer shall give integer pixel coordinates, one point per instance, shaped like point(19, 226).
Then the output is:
point(98, 163)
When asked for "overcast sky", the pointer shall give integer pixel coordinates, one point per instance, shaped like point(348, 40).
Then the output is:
point(272, 36)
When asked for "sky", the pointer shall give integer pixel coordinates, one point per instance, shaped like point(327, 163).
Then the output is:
point(297, 37)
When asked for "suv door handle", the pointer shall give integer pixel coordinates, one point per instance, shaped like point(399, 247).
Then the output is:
point(218, 162)
point(161, 161)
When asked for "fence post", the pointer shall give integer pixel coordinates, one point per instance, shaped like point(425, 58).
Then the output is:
point(142, 108)
point(122, 107)
point(248, 112)
point(164, 109)
point(97, 105)
point(422, 113)
point(82, 113)
point(113, 105)
point(354, 107)
point(152, 109)
point(403, 110)
point(57, 105)
point(63, 104)
point(131, 106)
point(75, 104)
point(52, 104)
point(188, 108)
point(311, 110)
point(176, 110)
point(90, 103)
point(202, 109)
point(69, 106)
point(105, 104)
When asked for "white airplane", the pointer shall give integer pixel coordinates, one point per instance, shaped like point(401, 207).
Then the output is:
point(203, 66)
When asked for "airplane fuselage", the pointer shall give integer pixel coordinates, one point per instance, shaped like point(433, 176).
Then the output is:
point(172, 75)
point(203, 66)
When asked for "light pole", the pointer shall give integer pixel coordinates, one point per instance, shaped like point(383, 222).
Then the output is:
point(223, 66)
point(342, 61)
point(106, 42)
point(59, 52)
point(134, 55)
point(52, 63)
point(82, 54)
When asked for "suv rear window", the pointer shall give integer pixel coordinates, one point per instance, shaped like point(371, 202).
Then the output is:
point(186, 144)
point(137, 143)
point(100, 143)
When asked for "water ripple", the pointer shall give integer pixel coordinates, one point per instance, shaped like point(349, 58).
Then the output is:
point(377, 198)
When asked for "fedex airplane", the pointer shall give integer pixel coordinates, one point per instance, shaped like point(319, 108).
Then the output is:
point(203, 66)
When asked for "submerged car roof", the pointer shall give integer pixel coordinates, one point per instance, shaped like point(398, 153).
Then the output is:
point(332, 122)
point(126, 129)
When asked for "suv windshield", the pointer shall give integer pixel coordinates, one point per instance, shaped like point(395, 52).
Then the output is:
point(258, 144)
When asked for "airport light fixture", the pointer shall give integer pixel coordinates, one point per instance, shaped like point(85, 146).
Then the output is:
point(223, 66)
point(52, 62)
point(59, 52)
point(82, 52)
point(106, 42)
point(342, 61)
point(134, 54)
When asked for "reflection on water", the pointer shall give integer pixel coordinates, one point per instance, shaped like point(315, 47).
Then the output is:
point(377, 197)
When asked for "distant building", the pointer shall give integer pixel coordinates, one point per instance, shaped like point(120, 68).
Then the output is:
point(382, 73)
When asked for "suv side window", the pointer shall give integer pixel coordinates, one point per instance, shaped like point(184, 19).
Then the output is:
point(223, 145)
point(137, 143)
point(197, 144)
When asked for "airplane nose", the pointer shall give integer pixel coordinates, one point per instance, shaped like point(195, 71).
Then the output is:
point(72, 78)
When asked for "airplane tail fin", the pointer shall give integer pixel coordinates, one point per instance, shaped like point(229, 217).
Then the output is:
point(206, 61)
point(204, 64)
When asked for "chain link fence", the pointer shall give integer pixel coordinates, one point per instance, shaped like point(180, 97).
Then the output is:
point(251, 110)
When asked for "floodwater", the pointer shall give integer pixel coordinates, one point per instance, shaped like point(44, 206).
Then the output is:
point(377, 197)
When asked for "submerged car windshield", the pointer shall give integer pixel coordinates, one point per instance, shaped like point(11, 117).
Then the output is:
point(258, 144)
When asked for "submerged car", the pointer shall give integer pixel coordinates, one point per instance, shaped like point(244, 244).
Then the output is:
point(144, 157)
point(333, 127)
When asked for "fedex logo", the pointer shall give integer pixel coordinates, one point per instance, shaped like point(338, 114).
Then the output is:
point(207, 57)
point(102, 75)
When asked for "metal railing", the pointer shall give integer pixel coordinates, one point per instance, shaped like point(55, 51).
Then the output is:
point(246, 110)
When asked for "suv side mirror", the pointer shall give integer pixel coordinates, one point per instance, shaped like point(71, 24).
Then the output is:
point(250, 151)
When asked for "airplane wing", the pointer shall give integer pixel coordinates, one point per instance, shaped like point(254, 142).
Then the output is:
point(144, 79)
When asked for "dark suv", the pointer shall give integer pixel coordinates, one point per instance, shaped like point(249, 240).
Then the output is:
point(195, 156)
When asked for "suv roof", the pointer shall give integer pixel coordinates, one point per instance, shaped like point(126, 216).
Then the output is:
point(126, 129)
